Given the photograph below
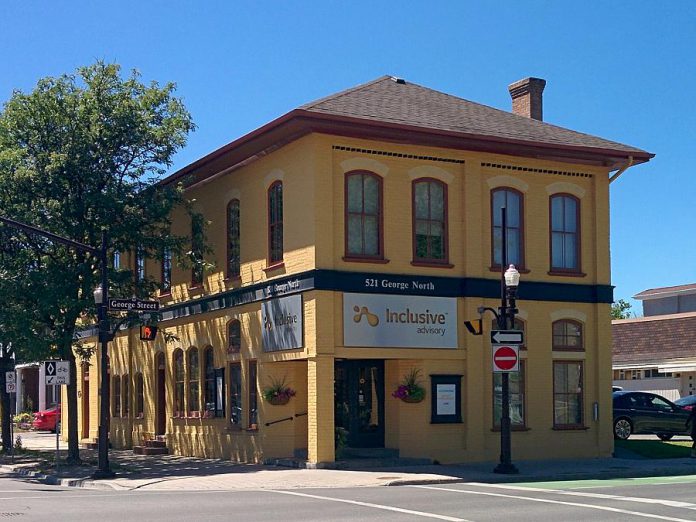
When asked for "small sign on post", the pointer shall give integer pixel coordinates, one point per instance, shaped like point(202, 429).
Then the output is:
point(506, 358)
point(57, 372)
point(133, 305)
point(10, 382)
point(507, 337)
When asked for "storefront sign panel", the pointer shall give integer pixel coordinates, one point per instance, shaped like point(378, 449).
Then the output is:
point(375, 320)
point(283, 326)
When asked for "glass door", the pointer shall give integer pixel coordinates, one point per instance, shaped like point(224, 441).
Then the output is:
point(359, 401)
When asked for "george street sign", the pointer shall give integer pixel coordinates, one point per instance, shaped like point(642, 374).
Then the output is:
point(505, 358)
point(507, 337)
point(134, 305)
point(57, 372)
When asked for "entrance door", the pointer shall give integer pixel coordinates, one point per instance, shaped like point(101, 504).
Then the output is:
point(359, 401)
point(161, 406)
point(85, 401)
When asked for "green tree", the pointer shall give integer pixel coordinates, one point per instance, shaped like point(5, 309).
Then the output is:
point(621, 309)
point(79, 154)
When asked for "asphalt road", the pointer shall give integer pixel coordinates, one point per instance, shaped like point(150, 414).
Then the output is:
point(668, 498)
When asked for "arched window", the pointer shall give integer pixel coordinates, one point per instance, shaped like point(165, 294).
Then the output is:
point(166, 280)
point(363, 219)
point(194, 377)
point(139, 396)
point(116, 399)
point(139, 264)
point(209, 373)
point(275, 223)
point(233, 239)
point(234, 336)
point(567, 335)
point(197, 246)
point(430, 221)
point(565, 233)
point(179, 377)
point(125, 390)
point(512, 200)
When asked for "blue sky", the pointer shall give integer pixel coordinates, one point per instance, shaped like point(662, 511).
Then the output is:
point(623, 70)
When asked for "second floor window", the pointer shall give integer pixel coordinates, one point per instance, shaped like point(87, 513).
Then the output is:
point(363, 202)
point(275, 223)
point(197, 250)
point(139, 264)
point(233, 239)
point(565, 237)
point(117, 260)
point(166, 282)
point(429, 221)
point(512, 201)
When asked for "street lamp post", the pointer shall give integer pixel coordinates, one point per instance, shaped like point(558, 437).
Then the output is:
point(101, 298)
point(506, 316)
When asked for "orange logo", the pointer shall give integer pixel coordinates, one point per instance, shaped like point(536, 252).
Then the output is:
point(372, 319)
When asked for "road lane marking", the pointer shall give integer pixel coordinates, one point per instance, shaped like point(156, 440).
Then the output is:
point(549, 501)
point(375, 506)
point(643, 500)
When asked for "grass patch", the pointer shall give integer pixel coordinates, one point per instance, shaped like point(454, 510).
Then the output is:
point(656, 449)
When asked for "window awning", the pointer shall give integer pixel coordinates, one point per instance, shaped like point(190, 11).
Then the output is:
point(683, 367)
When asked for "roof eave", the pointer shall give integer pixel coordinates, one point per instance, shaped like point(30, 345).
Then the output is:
point(300, 122)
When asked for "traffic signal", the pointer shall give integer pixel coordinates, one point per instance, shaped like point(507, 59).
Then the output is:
point(148, 333)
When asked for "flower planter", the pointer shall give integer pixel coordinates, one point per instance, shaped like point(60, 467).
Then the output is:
point(412, 400)
point(279, 401)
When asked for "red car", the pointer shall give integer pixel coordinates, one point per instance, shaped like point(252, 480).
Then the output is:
point(47, 419)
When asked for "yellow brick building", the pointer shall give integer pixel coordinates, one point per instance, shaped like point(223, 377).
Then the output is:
point(352, 238)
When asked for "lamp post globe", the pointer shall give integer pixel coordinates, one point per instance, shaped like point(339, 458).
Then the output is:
point(512, 277)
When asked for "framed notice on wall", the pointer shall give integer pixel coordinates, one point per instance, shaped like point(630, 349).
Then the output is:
point(446, 394)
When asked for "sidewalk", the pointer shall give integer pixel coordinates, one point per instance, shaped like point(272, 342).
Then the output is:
point(169, 472)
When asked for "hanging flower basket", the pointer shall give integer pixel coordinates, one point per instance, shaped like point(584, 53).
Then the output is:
point(410, 389)
point(278, 392)
point(279, 400)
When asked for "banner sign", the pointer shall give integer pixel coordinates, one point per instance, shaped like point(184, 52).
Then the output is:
point(282, 322)
point(392, 321)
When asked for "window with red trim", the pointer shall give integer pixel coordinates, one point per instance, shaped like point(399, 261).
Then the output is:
point(253, 394)
point(139, 396)
point(234, 336)
point(363, 203)
point(233, 239)
point(567, 394)
point(197, 242)
point(194, 378)
point(125, 391)
point(179, 378)
point(567, 335)
point(116, 399)
point(430, 221)
point(565, 236)
point(512, 201)
point(275, 223)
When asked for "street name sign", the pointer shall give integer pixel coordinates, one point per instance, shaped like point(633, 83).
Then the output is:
point(10, 382)
point(57, 372)
point(133, 305)
point(507, 337)
point(506, 358)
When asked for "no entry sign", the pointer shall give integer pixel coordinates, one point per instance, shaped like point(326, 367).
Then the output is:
point(505, 358)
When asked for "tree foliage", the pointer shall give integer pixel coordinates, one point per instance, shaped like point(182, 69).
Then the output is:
point(621, 309)
point(79, 154)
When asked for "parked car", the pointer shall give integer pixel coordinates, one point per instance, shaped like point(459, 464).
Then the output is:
point(48, 419)
point(688, 402)
point(642, 412)
point(616, 388)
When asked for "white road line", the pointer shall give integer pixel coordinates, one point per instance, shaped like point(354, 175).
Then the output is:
point(375, 506)
point(549, 501)
point(643, 500)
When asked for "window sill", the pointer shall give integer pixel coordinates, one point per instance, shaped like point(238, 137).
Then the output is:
point(512, 428)
point(566, 274)
point(432, 264)
point(275, 266)
point(165, 295)
point(376, 260)
point(570, 428)
point(233, 280)
point(196, 290)
point(520, 269)
point(566, 349)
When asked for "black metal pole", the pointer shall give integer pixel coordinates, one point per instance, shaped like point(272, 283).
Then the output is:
point(103, 469)
point(505, 465)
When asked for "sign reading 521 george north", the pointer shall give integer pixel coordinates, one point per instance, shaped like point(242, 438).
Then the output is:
point(399, 321)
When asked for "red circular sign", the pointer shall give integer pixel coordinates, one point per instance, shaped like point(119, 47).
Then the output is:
point(504, 358)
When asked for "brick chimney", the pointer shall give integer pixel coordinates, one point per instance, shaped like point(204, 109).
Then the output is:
point(526, 97)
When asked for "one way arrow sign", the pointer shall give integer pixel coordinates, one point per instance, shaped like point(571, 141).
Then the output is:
point(507, 337)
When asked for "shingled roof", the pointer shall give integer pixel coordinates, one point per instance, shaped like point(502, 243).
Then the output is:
point(395, 110)
point(666, 291)
point(388, 99)
point(654, 339)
